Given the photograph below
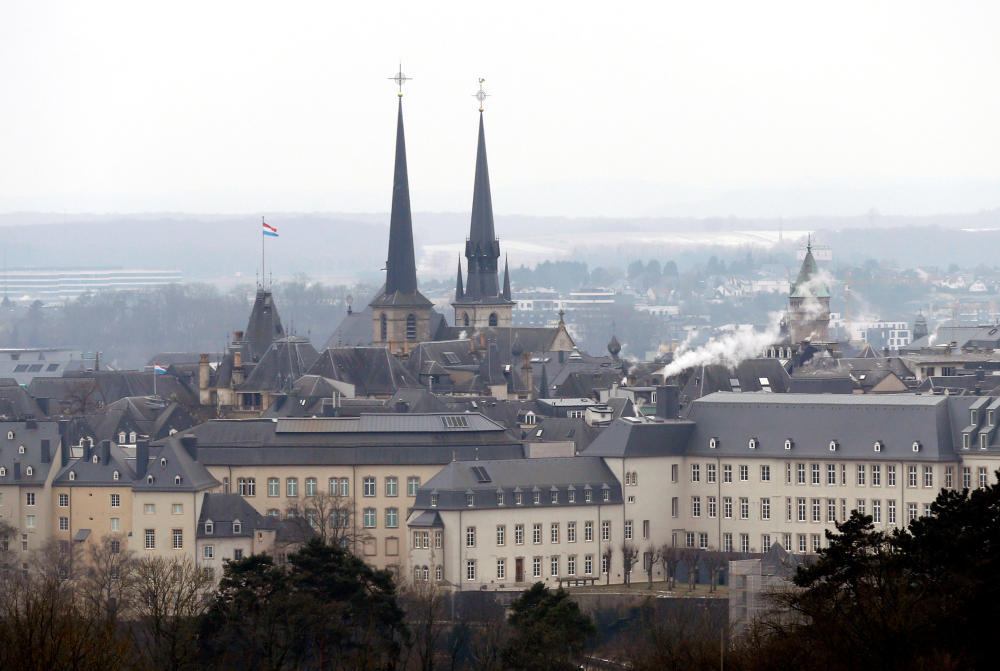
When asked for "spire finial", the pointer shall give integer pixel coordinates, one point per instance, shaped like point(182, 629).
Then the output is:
point(809, 242)
point(400, 79)
point(481, 94)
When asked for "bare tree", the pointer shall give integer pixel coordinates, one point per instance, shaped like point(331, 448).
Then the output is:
point(693, 559)
point(717, 563)
point(425, 605)
point(169, 596)
point(670, 557)
point(630, 556)
point(332, 517)
point(106, 577)
point(607, 555)
point(649, 559)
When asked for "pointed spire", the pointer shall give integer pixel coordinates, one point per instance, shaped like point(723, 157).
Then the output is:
point(400, 267)
point(506, 280)
point(543, 385)
point(482, 249)
point(459, 292)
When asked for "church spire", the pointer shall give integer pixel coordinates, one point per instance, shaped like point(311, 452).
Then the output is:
point(506, 280)
point(459, 292)
point(482, 249)
point(400, 267)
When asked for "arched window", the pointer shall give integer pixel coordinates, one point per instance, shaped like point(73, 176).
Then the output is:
point(121, 437)
point(72, 475)
point(411, 327)
point(116, 475)
point(465, 319)
point(383, 328)
point(493, 319)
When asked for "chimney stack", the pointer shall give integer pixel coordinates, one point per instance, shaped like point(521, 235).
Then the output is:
point(46, 451)
point(204, 377)
point(105, 452)
point(190, 443)
point(667, 402)
point(141, 457)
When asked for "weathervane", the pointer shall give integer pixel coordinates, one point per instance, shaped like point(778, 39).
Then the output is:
point(481, 94)
point(400, 79)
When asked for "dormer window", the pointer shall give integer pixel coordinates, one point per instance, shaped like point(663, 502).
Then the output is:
point(29, 471)
point(237, 527)
point(983, 441)
point(94, 459)
point(973, 416)
point(177, 479)
point(470, 499)
point(72, 475)
point(121, 437)
point(991, 417)
point(788, 444)
point(20, 449)
point(833, 446)
point(131, 437)
point(163, 462)
point(499, 497)
point(713, 443)
point(966, 441)
point(3, 471)
point(116, 475)
point(916, 446)
point(149, 479)
point(209, 528)
point(10, 435)
point(878, 446)
point(434, 500)
point(752, 444)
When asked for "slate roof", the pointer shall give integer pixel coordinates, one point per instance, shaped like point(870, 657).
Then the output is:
point(149, 416)
point(40, 439)
point(372, 370)
point(811, 422)
point(224, 509)
point(96, 389)
point(168, 460)
point(16, 403)
point(264, 325)
point(285, 361)
point(808, 272)
point(641, 437)
point(100, 473)
point(458, 478)
point(555, 429)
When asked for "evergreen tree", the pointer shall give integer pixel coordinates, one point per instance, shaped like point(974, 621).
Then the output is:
point(548, 631)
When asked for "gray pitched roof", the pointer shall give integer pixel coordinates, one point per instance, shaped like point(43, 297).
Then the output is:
point(285, 361)
point(483, 478)
point(264, 325)
point(40, 441)
point(373, 371)
point(641, 437)
point(224, 509)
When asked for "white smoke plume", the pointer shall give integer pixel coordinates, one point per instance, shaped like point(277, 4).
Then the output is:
point(811, 306)
point(728, 350)
point(688, 339)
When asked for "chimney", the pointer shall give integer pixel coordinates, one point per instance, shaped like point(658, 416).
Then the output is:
point(328, 407)
point(104, 453)
point(237, 377)
point(43, 404)
point(237, 359)
point(237, 336)
point(190, 443)
point(141, 457)
point(667, 401)
point(526, 372)
point(204, 374)
point(46, 451)
point(17, 471)
point(402, 406)
point(64, 441)
point(87, 450)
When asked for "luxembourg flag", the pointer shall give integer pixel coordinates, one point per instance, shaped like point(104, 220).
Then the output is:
point(269, 230)
point(158, 369)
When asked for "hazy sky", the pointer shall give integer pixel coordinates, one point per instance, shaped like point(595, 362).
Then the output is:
point(658, 108)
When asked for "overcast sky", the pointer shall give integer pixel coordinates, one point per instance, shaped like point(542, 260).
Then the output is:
point(658, 108)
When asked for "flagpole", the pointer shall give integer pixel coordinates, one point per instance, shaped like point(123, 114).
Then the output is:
point(154, 378)
point(262, 236)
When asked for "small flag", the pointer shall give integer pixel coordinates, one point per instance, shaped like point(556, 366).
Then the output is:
point(270, 230)
point(158, 369)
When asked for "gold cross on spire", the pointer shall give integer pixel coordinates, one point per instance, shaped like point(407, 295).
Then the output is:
point(481, 94)
point(400, 79)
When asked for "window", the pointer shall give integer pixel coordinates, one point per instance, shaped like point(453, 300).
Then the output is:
point(177, 536)
point(291, 486)
point(949, 477)
point(411, 328)
point(391, 518)
point(501, 534)
point(412, 485)
point(744, 473)
point(752, 443)
point(891, 511)
point(815, 542)
point(470, 499)
point(801, 505)
point(208, 552)
point(470, 569)
point(571, 492)
point(519, 534)
point(765, 542)
point(588, 564)
point(673, 507)
point(765, 509)
point(554, 496)
point(209, 527)
point(713, 507)
point(727, 542)
point(571, 532)
point(29, 499)
point(149, 508)
point(817, 515)
point(63, 500)
point(391, 486)
point(911, 476)
point(470, 537)
point(116, 524)
point(861, 506)
point(150, 539)
point(727, 507)
point(673, 472)
point(605, 530)
point(695, 472)
point(695, 506)
point(536, 567)
point(368, 517)
point(273, 487)
point(439, 573)
point(177, 509)
point(727, 473)
point(536, 497)
point(628, 530)
point(588, 531)
point(645, 529)
point(744, 508)
point(833, 446)
point(831, 510)
point(237, 554)
point(554, 565)
point(310, 486)
point(928, 476)
point(876, 475)
point(434, 500)
point(765, 473)
point(876, 511)
point(912, 510)
point(519, 498)
point(536, 533)
point(800, 474)
point(861, 475)
point(744, 543)
point(831, 474)
point(890, 475)
point(606, 494)
point(438, 539)
point(63, 524)
point(983, 480)
point(554, 532)
point(369, 486)
point(710, 473)
point(501, 569)
point(571, 565)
